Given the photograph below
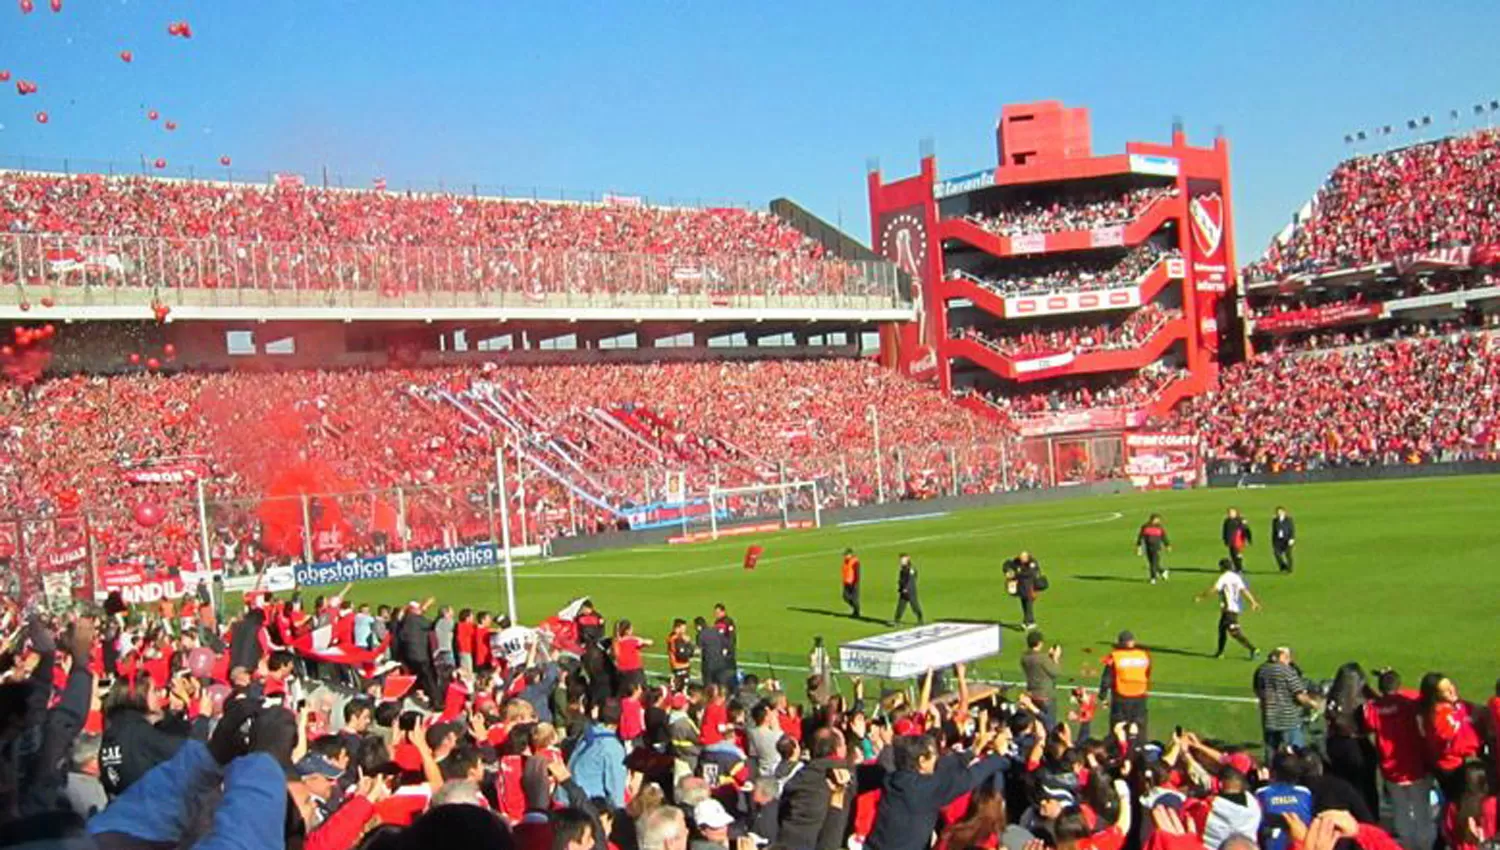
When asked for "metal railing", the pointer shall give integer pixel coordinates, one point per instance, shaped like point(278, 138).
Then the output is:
point(228, 272)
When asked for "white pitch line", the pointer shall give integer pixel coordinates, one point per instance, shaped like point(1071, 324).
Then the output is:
point(1112, 516)
point(883, 520)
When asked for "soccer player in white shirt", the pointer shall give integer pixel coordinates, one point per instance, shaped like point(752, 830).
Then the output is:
point(1233, 593)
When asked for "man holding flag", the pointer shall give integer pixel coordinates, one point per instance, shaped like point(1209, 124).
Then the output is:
point(850, 576)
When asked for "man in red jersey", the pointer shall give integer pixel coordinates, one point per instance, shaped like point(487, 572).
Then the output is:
point(1393, 718)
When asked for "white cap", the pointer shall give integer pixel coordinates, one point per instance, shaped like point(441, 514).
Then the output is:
point(710, 814)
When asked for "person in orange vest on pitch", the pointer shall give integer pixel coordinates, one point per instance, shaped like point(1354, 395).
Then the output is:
point(1126, 683)
point(850, 577)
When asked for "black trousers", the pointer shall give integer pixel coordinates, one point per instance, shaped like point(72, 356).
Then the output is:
point(1229, 627)
point(1283, 557)
point(1129, 710)
point(916, 606)
point(851, 597)
point(1237, 557)
point(1028, 609)
point(1153, 562)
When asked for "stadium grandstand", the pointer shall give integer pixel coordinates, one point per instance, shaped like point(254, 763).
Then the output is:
point(275, 456)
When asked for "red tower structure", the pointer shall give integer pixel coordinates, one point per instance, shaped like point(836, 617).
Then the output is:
point(1031, 277)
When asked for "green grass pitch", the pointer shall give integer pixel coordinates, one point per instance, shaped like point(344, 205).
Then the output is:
point(1397, 573)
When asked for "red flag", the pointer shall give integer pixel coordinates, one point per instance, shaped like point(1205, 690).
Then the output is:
point(752, 557)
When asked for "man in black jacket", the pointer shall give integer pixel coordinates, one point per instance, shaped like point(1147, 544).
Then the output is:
point(914, 794)
point(713, 651)
point(816, 800)
point(415, 640)
point(1027, 574)
point(906, 590)
point(1283, 538)
point(1236, 535)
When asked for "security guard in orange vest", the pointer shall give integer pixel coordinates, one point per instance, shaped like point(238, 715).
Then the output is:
point(1126, 683)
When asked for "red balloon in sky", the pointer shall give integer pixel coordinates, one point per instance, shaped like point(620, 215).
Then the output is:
point(41, 118)
point(57, 5)
point(153, 115)
point(224, 161)
point(160, 163)
point(171, 125)
point(135, 359)
point(4, 76)
point(25, 87)
point(126, 56)
point(180, 28)
point(27, 6)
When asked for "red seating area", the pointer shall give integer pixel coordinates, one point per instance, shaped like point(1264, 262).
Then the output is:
point(95, 205)
point(1386, 206)
point(1080, 213)
point(167, 234)
point(1082, 393)
point(1079, 275)
point(1407, 401)
point(70, 443)
point(1125, 334)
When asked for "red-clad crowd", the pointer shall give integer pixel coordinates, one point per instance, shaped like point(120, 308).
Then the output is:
point(596, 440)
point(1079, 213)
point(98, 205)
point(1403, 401)
point(1387, 206)
point(1124, 334)
point(326, 726)
point(1092, 392)
point(168, 234)
point(1062, 275)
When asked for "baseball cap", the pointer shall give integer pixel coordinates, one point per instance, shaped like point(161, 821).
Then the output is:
point(1243, 762)
point(314, 764)
point(1125, 637)
point(710, 814)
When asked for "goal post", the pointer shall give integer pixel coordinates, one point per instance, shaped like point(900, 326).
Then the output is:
point(788, 504)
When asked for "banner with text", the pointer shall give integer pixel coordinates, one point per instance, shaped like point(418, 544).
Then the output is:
point(1311, 318)
point(1162, 461)
point(1067, 422)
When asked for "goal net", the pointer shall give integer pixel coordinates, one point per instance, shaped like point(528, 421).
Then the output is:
point(759, 508)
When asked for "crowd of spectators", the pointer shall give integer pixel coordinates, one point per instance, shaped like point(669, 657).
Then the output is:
point(326, 725)
point(78, 445)
point(1122, 335)
point(1078, 275)
point(1091, 392)
point(1386, 206)
point(1394, 402)
point(139, 231)
point(1389, 330)
point(1084, 212)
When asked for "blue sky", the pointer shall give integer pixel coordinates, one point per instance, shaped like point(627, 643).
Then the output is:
point(745, 101)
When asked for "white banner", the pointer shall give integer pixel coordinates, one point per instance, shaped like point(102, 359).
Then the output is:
point(1073, 302)
point(910, 653)
point(1028, 243)
point(1038, 364)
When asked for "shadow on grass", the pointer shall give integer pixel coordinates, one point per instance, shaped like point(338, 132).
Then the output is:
point(842, 615)
point(1164, 650)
